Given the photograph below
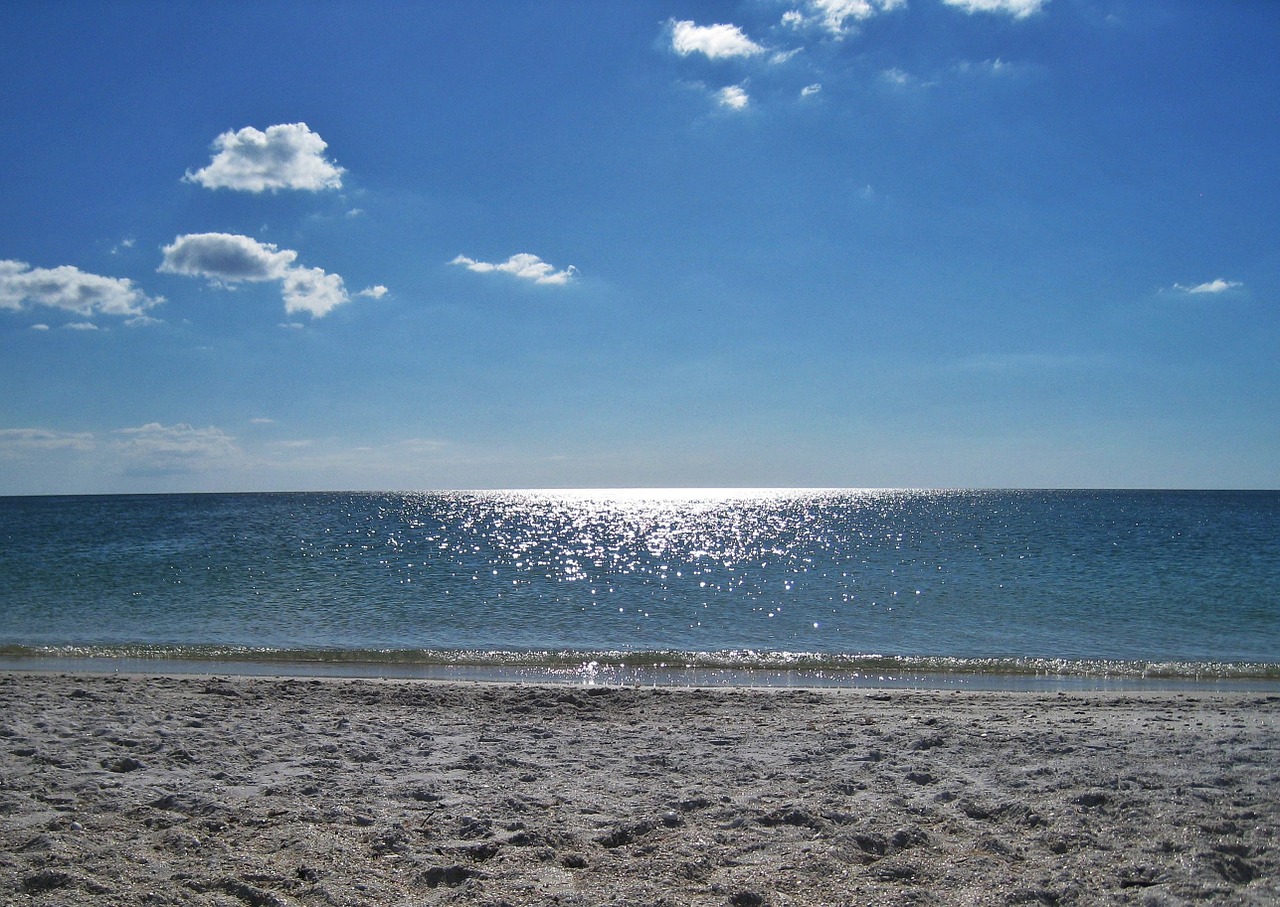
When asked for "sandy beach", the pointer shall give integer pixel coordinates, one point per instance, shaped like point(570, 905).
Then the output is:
point(263, 792)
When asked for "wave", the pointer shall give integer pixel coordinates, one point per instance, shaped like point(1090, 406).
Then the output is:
point(625, 666)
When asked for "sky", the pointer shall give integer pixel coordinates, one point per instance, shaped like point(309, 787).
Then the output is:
point(802, 243)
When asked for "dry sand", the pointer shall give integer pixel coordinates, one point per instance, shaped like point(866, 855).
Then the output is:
point(262, 792)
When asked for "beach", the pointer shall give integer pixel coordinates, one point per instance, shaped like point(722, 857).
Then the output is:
point(208, 790)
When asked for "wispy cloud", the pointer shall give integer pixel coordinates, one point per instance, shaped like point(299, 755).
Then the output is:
point(1018, 9)
point(228, 258)
point(149, 448)
point(1213, 286)
point(70, 289)
point(522, 265)
point(287, 156)
point(838, 17)
point(733, 97)
point(993, 68)
point(19, 441)
point(155, 447)
point(714, 41)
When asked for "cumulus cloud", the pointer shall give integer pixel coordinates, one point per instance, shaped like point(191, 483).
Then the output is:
point(313, 291)
point(1212, 286)
point(1018, 9)
point(837, 17)
point(228, 258)
point(287, 156)
point(68, 288)
point(374, 292)
point(522, 265)
point(715, 41)
point(733, 97)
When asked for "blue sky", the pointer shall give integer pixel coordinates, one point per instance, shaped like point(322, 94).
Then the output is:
point(848, 243)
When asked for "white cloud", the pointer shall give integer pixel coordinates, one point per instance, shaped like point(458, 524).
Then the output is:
point(733, 97)
point(715, 41)
point(313, 291)
point(68, 288)
point(374, 292)
point(18, 441)
point(80, 326)
point(231, 258)
point(994, 68)
point(288, 156)
point(836, 16)
point(171, 448)
point(153, 451)
point(810, 90)
point(226, 256)
point(1019, 9)
point(1212, 286)
point(39, 327)
point(522, 265)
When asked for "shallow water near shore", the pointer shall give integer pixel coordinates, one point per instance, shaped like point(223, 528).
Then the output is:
point(977, 589)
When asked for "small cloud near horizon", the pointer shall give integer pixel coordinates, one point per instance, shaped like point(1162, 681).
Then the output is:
point(18, 440)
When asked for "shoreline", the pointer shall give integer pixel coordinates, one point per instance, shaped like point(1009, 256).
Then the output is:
point(671, 670)
point(207, 790)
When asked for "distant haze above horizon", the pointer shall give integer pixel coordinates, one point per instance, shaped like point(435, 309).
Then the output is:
point(819, 244)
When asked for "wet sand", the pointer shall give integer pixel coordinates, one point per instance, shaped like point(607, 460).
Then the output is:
point(262, 792)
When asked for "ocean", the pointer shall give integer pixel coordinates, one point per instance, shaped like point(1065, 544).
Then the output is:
point(978, 588)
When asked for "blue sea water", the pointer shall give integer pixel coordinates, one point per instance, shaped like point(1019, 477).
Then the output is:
point(1175, 584)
